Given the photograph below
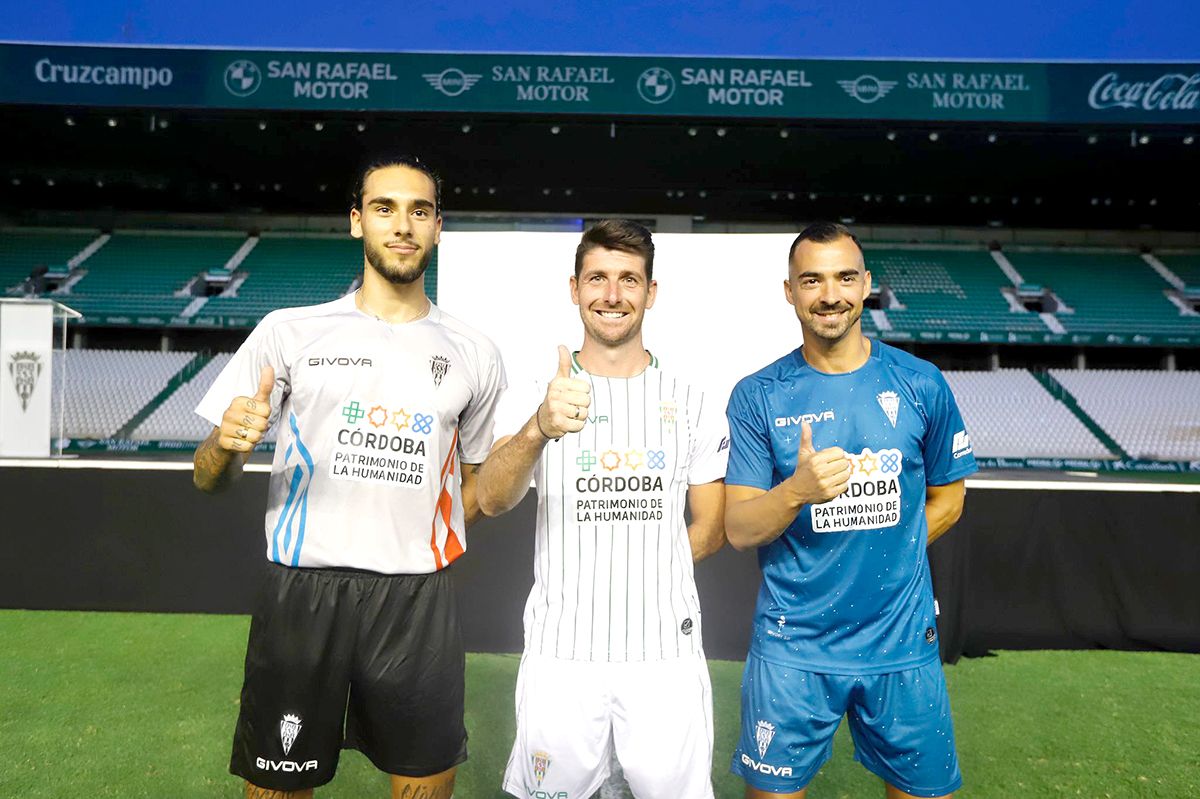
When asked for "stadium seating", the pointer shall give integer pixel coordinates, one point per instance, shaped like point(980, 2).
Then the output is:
point(176, 418)
point(285, 271)
point(1009, 414)
point(21, 250)
point(1186, 266)
point(137, 274)
point(947, 290)
point(1152, 415)
point(105, 388)
point(1109, 292)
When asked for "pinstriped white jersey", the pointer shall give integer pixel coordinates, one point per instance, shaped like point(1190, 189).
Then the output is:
point(374, 420)
point(613, 578)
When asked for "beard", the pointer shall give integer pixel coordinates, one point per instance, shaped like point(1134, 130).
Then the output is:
point(836, 333)
point(400, 275)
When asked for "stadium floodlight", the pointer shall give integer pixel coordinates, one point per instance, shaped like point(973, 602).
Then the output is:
point(670, 193)
point(163, 124)
point(866, 198)
point(812, 195)
point(783, 133)
point(491, 189)
point(1144, 139)
point(891, 135)
point(901, 198)
point(568, 192)
point(278, 187)
point(720, 131)
point(1095, 201)
point(1016, 200)
point(991, 137)
point(112, 122)
point(928, 198)
point(1154, 201)
point(16, 181)
point(322, 187)
point(974, 199)
point(1092, 138)
point(1037, 200)
point(50, 182)
point(791, 195)
point(774, 195)
point(99, 183)
point(466, 128)
point(70, 121)
point(318, 126)
point(458, 190)
point(361, 126)
point(1188, 139)
point(237, 186)
point(692, 131)
point(933, 136)
point(262, 124)
point(703, 194)
point(555, 129)
point(546, 192)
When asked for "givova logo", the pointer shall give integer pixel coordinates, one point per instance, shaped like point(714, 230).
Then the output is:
point(811, 418)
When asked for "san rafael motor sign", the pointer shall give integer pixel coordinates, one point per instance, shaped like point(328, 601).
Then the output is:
point(601, 85)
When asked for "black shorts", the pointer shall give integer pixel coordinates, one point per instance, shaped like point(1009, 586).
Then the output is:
point(381, 653)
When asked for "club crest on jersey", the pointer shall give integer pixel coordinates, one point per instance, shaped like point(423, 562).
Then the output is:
point(764, 732)
point(25, 368)
point(439, 365)
point(890, 402)
point(541, 762)
point(289, 728)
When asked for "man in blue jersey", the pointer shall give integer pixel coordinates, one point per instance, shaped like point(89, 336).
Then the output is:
point(847, 458)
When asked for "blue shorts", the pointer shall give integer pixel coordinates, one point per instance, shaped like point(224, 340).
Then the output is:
point(900, 723)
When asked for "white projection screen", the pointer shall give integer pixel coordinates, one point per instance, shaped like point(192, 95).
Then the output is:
point(720, 313)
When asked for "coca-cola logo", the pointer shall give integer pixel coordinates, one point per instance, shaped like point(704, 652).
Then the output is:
point(1173, 91)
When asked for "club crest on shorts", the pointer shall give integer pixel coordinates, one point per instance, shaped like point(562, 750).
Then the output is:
point(890, 402)
point(439, 365)
point(289, 728)
point(764, 732)
point(25, 368)
point(541, 762)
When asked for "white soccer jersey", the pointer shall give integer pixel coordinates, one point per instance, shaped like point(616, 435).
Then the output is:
point(373, 420)
point(613, 578)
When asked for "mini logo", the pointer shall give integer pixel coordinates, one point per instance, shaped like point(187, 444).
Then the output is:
point(586, 460)
point(764, 731)
point(541, 762)
point(930, 635)
point(961, 445)
point(656, 85)
point(451, 82)
point(890, 402)
point(782, 621)
point(25, 368)
point(439, 365)
point(724, 445)
point(242, 78)
point(289, 728)
point(867, 88)
point(686, 627)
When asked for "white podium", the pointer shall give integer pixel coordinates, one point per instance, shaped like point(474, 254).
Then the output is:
point(26, 349)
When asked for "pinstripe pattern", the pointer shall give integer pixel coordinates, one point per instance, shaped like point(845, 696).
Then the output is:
point(613, 578)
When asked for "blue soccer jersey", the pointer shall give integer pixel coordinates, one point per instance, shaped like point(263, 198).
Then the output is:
point(846, 587)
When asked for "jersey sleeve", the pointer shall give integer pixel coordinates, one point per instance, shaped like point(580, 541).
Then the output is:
point(477, 422)
point(240, 376)
point(947, 449)
point(708, 450)
point(750, 460)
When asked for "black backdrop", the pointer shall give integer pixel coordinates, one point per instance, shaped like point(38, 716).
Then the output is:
point(1023, 569)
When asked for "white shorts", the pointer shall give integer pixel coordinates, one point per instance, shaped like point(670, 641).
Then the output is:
point(570, 715)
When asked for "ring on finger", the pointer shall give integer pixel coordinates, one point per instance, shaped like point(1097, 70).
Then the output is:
point(243, 432)
point(575, 413)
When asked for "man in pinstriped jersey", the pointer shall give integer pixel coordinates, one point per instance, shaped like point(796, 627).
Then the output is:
point(616, 445)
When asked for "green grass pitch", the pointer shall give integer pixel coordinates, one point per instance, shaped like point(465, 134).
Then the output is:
point(143, 705)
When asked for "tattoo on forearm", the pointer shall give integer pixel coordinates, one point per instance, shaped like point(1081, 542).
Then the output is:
point(443, 791)
point(212, 463)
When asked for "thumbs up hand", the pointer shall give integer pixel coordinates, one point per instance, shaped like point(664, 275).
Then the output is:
point(565, 409)
point(246, 420)
point(820, 475)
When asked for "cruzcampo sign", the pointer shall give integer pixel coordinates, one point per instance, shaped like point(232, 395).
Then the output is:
point(758, 88)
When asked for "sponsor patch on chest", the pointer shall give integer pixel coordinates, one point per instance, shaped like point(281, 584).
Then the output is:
point(872, 498)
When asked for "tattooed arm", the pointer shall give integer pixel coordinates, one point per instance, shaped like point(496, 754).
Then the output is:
point(219, 459)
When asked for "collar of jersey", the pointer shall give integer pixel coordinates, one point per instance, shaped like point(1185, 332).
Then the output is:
point(576, 368)
point(875, 354)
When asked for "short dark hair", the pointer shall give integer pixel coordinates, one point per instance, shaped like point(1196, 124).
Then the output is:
point(823, 233)
point(385, 160)
point(623, 235)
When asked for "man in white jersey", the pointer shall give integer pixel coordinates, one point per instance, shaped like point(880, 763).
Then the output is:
point(383, 403)
point(613, 653)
